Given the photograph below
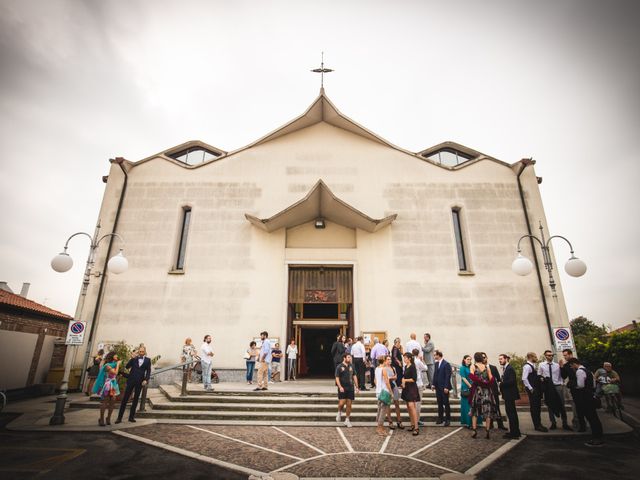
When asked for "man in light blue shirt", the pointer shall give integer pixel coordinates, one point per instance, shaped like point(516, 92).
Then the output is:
point(265, 359)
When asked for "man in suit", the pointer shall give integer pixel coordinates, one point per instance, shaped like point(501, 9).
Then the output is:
point(509, 388)
point(427, 357)
point(139, 372)
point(442, 386)
point(495, 389)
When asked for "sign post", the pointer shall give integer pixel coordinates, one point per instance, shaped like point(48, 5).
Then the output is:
point(75, 334)
point(562, 339)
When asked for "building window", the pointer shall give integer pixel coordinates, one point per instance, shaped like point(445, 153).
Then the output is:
point(449, 157)
point(184, 232)
point(457, 228)
point(194, 155)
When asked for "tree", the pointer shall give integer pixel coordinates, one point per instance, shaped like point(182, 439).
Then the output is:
point(585, 333)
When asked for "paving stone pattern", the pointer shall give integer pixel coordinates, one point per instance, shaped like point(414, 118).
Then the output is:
point(214, 446)
point(326, 439)
point(403, 443)
point(364, 465)
point(460, 452)
point(265, 437)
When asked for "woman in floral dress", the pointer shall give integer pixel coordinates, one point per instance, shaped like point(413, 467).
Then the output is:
point(106, 386)
point(482, 401)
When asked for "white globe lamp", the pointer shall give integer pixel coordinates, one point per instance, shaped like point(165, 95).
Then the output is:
point(62, 262)
point(575, 267)
point(118, 263)
point(522, 265)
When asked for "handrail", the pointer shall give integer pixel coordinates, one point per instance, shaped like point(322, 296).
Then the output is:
point(166, 369)
point(183, 389)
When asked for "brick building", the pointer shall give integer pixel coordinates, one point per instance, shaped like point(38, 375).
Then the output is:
point(31, 340)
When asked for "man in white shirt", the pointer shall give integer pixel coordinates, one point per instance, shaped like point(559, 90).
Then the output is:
point(413, 344)
point(292, 356)
point(420, 369)
point(552, 379)
point(358, 354)
point(206, 358)
point(533, 386)
point(264, 357)
point(585, 402)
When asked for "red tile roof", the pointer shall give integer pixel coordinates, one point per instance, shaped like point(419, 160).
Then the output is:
point(626, 328)
point(21, 303)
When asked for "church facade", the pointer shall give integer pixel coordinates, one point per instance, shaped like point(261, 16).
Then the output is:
point(319, 228)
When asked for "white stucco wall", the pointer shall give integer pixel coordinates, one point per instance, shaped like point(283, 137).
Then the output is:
point(234, 282)
point(15, 356)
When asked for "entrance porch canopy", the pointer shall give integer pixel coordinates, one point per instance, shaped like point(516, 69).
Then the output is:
point(320, 202)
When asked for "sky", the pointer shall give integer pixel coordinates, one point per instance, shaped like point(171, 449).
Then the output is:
point(85, 81)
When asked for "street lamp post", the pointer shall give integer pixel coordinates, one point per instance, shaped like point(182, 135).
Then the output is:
point(523, 266)
point(62, 263)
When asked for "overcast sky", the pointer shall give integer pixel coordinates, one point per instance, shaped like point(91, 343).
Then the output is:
point(82, 82)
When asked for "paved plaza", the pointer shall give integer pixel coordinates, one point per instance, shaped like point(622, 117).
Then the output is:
point(328, 451)
point(236, 450)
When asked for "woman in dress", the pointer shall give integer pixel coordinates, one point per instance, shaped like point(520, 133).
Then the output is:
point(93, 370)
point(482, 401)
point(189, 354)
point(465, 389)
point(383, 393)
point(250, 356)
point(396, 359)
point(106, 386)
point(410, 392)
point(395, 391)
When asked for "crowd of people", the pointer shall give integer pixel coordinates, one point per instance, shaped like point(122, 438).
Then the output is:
point(404, 372)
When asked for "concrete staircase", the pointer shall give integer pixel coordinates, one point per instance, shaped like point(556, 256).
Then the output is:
point(291, 406)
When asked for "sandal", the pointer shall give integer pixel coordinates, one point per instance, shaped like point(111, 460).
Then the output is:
point(475, 433)
point(101, 422)
point(415, 432)
point(400, 426)
point(391, 427)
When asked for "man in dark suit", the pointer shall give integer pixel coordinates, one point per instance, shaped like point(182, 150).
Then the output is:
point(442, 386)
point(139, 372)
point(495, 389)
point(509, 388)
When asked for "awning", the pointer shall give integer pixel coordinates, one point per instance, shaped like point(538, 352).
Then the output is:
point(320, 202)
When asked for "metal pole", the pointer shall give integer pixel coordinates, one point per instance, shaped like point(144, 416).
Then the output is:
point(58, 414)
point(185, 377)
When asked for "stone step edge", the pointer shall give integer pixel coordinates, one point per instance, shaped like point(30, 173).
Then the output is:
point(278, 407)
point(250, 392)
point(253, 414)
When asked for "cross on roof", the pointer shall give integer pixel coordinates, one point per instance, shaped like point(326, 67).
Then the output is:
point(322, 71)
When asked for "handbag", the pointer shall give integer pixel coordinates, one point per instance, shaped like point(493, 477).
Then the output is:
point(246, 355)
point(385, 397)
point(465, 393)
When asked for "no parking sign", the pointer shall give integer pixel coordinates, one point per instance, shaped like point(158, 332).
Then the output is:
point(75, 334)
point(562, 338)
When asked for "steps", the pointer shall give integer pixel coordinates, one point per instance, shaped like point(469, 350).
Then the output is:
point(165, 403)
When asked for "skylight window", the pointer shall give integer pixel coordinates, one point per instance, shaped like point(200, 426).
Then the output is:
point(448, 157)
point(194, 155)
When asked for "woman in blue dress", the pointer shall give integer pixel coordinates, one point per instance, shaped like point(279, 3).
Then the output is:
point(465, 389)
point(106, 386)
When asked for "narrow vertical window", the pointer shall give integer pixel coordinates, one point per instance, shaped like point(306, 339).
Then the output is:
point(184, 232)
point(462, 260)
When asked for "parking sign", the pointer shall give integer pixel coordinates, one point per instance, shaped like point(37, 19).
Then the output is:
point(562, 338)
point(75, 334)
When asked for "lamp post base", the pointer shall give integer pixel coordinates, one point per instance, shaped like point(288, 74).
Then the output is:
point(58, 414)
